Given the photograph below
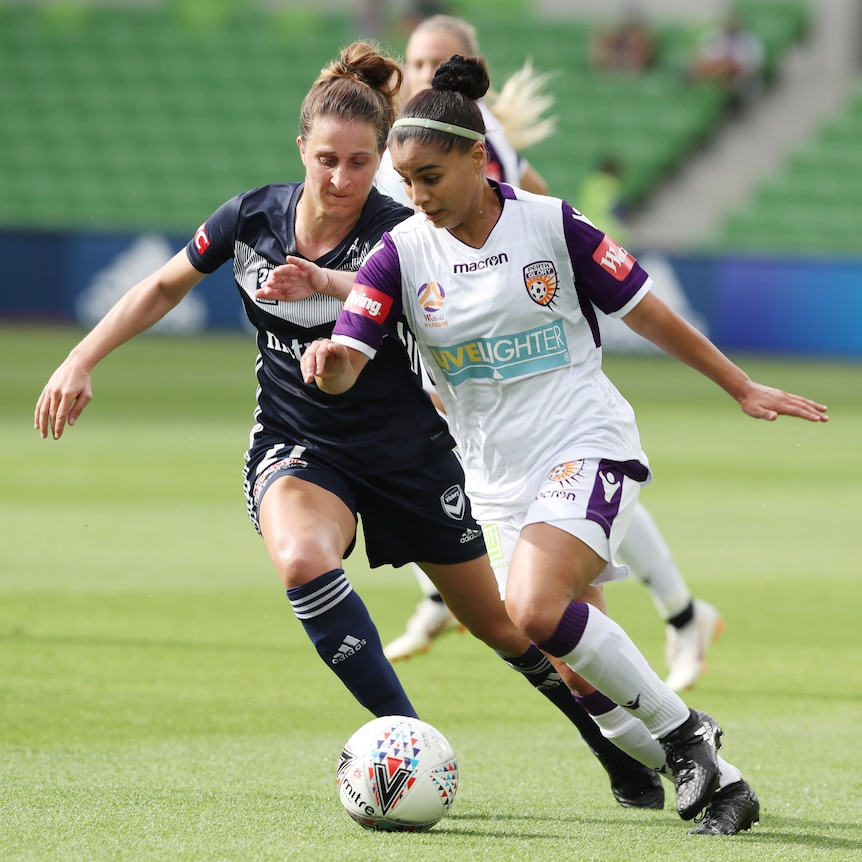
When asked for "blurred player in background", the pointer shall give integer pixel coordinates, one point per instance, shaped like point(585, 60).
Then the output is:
point(516, 115)
point(602, 195)
point(315, 463)
point(628, 48)
point(734, 56)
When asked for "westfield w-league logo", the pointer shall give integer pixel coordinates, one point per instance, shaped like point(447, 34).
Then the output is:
point(392, 777)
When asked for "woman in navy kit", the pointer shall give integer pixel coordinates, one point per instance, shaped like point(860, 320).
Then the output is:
point(315, 461)
point(303, 473)
point(514, 341)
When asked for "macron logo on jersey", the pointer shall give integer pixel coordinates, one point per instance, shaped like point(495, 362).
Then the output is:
point(201, 240)
point(370, 303)
point(614, 258)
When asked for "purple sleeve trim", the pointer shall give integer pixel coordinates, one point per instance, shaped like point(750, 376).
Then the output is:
point(605, 273)
point(375, 299)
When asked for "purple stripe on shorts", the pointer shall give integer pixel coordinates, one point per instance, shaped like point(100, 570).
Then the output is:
point(604, 503)
point(568, 633)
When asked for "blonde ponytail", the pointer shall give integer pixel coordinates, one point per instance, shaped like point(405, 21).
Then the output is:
point(519, 106)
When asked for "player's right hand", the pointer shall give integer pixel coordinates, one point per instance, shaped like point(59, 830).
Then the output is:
point(297, 279)
point(63, 399)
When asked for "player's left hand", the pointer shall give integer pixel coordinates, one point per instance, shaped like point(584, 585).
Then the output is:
point(297, 279)
point(324, 359)
point(764, 402)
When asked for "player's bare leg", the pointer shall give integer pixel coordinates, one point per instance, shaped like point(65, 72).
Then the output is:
point(431, 619)
point(307, 530)
point(549, 572)
point(471, 591)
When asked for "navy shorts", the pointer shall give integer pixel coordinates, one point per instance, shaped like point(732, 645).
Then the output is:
point(418, 516)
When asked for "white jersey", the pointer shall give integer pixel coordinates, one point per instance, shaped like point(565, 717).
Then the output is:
point(505, 163)
point(509, 334)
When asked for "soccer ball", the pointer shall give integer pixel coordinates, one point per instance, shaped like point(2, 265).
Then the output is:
point(397, 774)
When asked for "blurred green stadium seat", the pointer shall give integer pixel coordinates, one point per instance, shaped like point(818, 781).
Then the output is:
point(779, 23)
point(150, 116)
point(140, 117)
point(814, 201)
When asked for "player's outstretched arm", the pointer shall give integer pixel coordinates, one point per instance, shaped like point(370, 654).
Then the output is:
point(659, 324)
point(333, 367)
point(299, 278)
point(69, 390)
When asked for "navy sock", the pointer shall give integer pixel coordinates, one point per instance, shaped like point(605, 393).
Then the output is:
point(337, 622)
point(542, 676)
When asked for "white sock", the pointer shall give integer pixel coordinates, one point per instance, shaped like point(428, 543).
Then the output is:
point(646, 553)
point(631, 736)
point(728, 773)
point(606, 657)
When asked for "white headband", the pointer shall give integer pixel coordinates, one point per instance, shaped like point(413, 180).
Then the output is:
point(460, 131)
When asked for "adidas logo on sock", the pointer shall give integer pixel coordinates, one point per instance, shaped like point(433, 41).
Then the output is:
point(349, 646)
point(550, 682)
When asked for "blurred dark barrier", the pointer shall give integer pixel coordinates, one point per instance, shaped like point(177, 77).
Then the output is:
point(803, 306)
point(76, 278)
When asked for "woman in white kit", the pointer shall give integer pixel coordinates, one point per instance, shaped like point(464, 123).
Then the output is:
point(514, 118)
point(500, 287)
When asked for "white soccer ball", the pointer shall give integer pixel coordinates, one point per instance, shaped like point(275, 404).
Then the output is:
point(397, 774)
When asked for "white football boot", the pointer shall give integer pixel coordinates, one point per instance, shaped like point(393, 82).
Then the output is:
point(429, 621)
point(685, 649)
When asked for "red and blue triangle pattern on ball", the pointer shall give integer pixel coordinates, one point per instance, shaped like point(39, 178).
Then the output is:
point(445, 777)
point(394, 766)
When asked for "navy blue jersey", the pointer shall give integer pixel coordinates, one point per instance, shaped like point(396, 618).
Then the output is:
point(386, 422)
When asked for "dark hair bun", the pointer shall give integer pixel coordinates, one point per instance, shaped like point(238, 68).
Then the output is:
point(466, 75)
point(362, 62)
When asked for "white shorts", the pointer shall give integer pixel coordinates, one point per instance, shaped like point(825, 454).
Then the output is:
point(592, 499)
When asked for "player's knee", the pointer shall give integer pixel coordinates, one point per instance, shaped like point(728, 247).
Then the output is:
point(532, 618)
point(299, 563)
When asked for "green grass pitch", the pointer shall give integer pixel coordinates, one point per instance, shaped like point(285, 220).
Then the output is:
point(160, 702)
